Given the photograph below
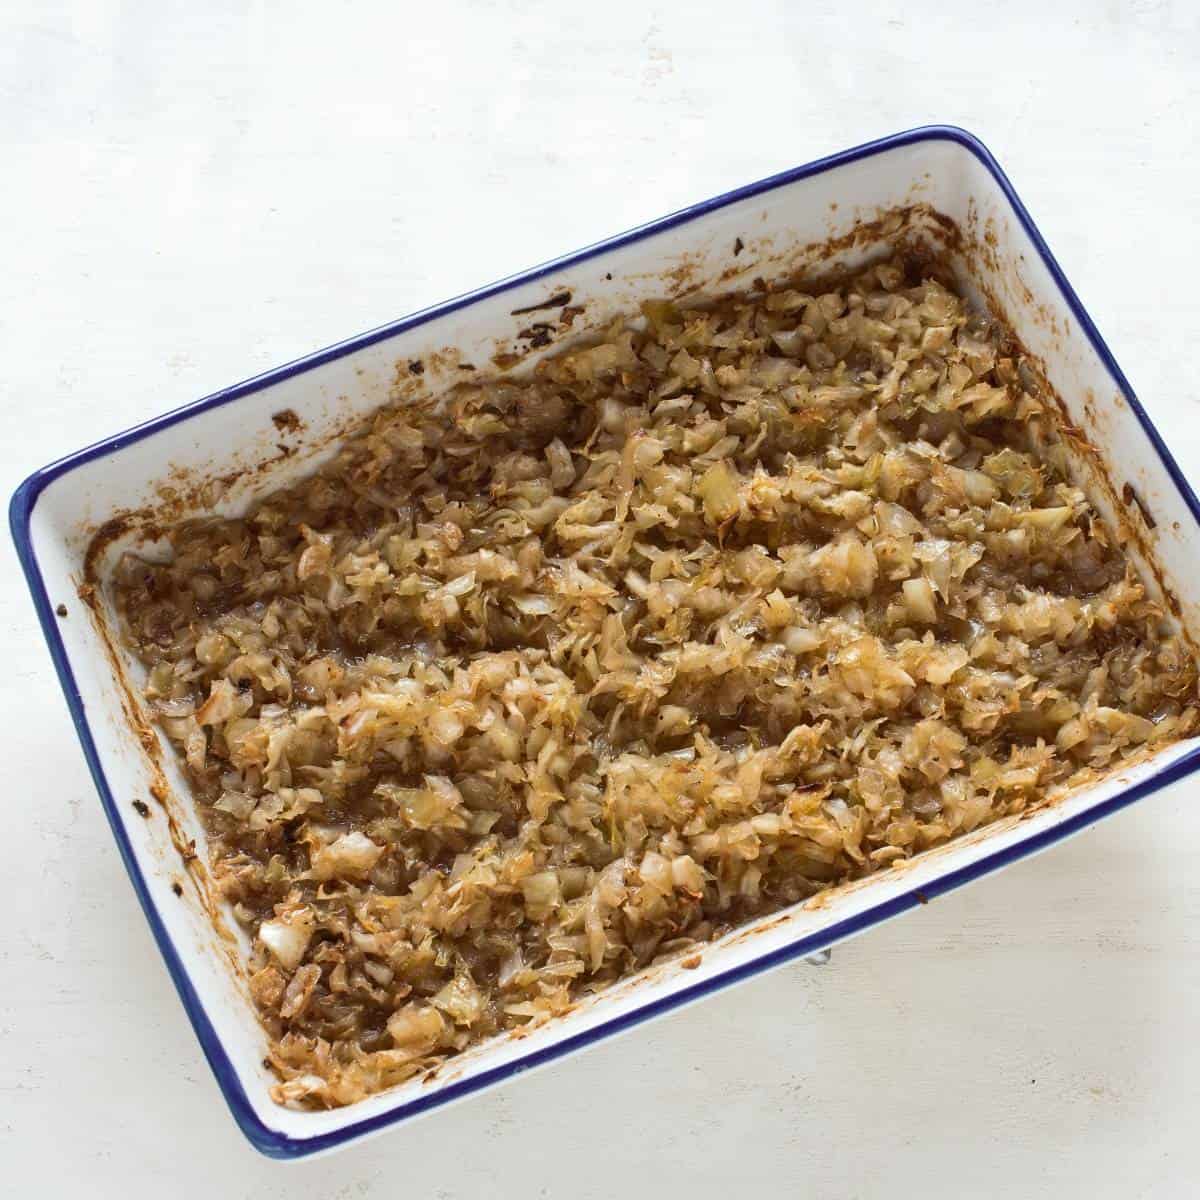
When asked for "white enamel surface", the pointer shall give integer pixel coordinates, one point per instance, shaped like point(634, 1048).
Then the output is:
point(941, 173)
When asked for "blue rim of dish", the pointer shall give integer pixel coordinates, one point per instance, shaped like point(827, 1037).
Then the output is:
point(272, 1142)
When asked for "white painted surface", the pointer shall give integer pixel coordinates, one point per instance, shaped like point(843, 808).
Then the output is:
point(192, 193)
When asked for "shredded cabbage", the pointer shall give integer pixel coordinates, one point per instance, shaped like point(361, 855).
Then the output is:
point(539, 682)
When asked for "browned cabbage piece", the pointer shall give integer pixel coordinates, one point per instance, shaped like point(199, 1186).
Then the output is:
point(543, 681)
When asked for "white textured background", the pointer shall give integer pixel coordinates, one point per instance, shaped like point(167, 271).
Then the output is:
point(192, 192)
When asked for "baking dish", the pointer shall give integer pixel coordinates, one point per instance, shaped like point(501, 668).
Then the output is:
point(936, 185)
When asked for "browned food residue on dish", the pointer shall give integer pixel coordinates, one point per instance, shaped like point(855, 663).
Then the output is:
point(1132, 498)
point(90, 592)
point(141, 808)
point(286, 421)
point(558, 300)
point(538, 683)
point(61, 610)
point(538, 334)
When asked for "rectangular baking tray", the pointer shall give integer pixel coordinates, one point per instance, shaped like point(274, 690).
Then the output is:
point(938, 185)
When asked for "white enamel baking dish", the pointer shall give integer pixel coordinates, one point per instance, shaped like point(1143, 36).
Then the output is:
point(765, 228)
